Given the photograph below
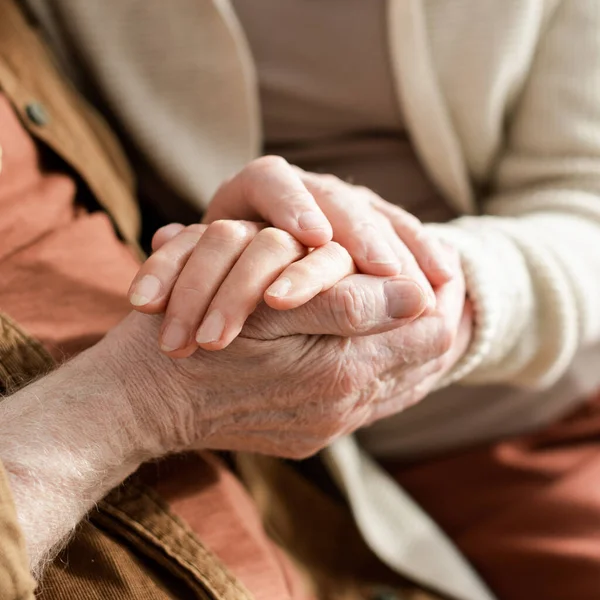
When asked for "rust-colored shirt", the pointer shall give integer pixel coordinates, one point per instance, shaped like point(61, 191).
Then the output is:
point(64, 273)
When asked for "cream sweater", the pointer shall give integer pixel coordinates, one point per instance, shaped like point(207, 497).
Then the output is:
point(532, 257)
point(502, 100)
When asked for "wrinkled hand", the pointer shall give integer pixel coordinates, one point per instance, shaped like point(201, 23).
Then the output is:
point(381, 238)
point(295, 380)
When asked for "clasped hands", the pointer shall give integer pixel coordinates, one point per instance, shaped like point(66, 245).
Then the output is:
point(302, 309)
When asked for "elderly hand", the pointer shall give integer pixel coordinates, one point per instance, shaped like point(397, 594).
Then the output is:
point(381, 238)
point(289, 385)
point(209, 280)
point(296, 380)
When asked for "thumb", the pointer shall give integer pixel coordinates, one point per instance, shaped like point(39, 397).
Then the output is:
point(358, 305)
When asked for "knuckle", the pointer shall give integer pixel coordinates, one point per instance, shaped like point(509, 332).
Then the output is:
point(337, 424)
point(160, 262)
point(336, 256)
point(266, 163)
point(377, 201)
point(413, 224)
point(327, 185)
point(301, 452)
point(184, 296)
point(167, 233)
point(279, 239)
point(186, 240)
point(227, 230)
point(296, 198)
point(365, 196)
point(329, 180)
point(300, 272)
point(364, 228)
point(367, 193)
point(156, 238)
point(160, 231)
point(426, 241)
point(452, 253)
point(351, 309)
point(327, 430)
point(335, 252)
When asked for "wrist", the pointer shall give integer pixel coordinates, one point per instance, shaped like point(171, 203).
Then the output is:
point(163, 417)
point(79, 413)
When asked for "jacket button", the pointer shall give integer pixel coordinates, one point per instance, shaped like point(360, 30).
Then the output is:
point(37, 114)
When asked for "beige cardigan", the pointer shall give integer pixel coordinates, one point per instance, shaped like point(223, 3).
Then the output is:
point(502, 101)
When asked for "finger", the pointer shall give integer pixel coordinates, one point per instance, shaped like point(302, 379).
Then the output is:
point(359, 305)
point(433, 334)
point(426, 378)
point(451, 295)
point(269, 189)
point(415, 387)
point(315, 273)
point(151, 287)
point(212, 259)
point(410, 267)
point(164, 234)
point(356, 226)
point(271, 251)
point(428, 251)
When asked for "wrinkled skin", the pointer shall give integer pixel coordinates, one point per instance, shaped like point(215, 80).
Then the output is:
point(295, 380)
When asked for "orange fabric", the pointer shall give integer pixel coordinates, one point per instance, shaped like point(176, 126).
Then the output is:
point(64, 273)
point(526, 512)
point(212, 501)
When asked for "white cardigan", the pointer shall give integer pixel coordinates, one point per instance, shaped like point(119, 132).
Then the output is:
point(520, 115)
point(502, 101)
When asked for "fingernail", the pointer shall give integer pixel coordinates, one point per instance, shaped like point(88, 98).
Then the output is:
point(145, 290)
point(380, 253)
point(404, 299)
point(280, 288)
point(212, 328)
point(312, 220)
point(174, 336)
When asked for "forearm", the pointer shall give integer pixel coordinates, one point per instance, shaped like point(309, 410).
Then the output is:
point(65, 441)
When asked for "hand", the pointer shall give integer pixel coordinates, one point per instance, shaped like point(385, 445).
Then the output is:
point(381, 238)
point(217, 274)
point(214, 276)
point(296, 380)
point(289, 386)
point(209, 281)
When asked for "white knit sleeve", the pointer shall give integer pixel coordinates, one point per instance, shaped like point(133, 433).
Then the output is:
point(532, 259)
